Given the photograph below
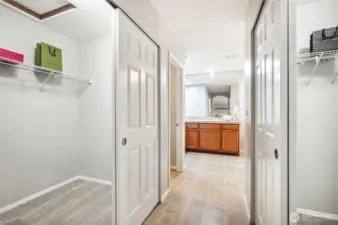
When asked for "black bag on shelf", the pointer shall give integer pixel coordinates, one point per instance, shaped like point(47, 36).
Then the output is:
point(324, 40)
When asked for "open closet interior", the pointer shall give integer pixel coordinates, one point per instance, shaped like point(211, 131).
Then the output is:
point(313, 109)
point(56, 114)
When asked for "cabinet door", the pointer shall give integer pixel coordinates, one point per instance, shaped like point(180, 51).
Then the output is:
point(230, 141)
point(191, 139)
point(210, 139)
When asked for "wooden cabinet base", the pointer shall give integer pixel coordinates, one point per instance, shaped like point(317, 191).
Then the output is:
point(212, 138)
point(212, 152)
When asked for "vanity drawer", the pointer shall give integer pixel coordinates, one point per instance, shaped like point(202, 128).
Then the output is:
point(210, 126)
point(230, 127)
point(191, 125)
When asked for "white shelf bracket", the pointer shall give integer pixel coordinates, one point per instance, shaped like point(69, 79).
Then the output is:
point(46, 81)
point(318, 59)
point(334, 77)
point(45, 71)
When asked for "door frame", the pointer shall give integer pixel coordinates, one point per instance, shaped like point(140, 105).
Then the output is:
point(115, 29)
point(284, 111)
point(181, 107)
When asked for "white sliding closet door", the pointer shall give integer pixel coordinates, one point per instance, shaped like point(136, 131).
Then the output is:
point(268, 176)
point(137, 130)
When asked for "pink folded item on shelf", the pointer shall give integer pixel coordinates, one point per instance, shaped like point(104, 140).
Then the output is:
point(11, 57)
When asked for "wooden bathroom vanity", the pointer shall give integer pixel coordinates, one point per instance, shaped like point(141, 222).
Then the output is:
point(212, 136)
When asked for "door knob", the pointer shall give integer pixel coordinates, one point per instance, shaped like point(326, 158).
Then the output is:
point(177, 125)
point(276, 154)
point(124, 141)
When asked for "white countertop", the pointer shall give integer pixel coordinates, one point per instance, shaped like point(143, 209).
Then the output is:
point(214, 121)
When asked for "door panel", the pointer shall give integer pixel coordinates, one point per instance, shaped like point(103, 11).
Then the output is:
point(150, 100)
point(191, 139)
point(134, 97)
point(210, 139)
point(136, 124)
point(134, 159)
point(230, 127)
point(192, 125)
point(268, 173)
point(230, 141)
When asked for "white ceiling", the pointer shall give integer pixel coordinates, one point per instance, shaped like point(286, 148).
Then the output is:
point(218, 82)
point(90, 19)
point(42, 6)
point(205, 26)
point(217, 88)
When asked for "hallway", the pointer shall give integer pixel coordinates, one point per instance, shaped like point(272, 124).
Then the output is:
point(209, 192)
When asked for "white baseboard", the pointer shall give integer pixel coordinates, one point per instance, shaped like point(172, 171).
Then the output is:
point(37, 194)
point(246, 207)
point(165, 195)
point(179, 169)
point(100, 181)
point(50, 189)
point(317, 214)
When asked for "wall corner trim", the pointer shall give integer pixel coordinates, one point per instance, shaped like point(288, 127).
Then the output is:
point(37, 194)
point(247, 210)
point(165, 195)
point(100, 181)
point(316, 214)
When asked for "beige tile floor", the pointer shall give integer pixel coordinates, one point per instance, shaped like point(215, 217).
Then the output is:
point(209, 192)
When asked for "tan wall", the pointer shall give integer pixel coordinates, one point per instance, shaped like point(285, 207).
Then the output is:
point(173, 114)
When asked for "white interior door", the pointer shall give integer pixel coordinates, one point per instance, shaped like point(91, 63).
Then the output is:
point(137, 129)
point(268, 120)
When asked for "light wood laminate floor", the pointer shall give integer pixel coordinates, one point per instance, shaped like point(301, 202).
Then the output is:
point(209, 192)
point(78, 203)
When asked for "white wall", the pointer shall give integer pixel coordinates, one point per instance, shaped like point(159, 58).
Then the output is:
point(237, 97)
point(196, 101)
point(316, 123)
point(242, 102)
point(96, 107)
point(39, 130)
point(234, 98)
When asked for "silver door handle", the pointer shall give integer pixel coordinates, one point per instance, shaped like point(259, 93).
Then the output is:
point(124, 141)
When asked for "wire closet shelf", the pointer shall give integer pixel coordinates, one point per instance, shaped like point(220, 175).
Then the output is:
point(42, 70)
point(318, 57)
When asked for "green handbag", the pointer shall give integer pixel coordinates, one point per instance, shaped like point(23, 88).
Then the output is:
point(48, 56)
